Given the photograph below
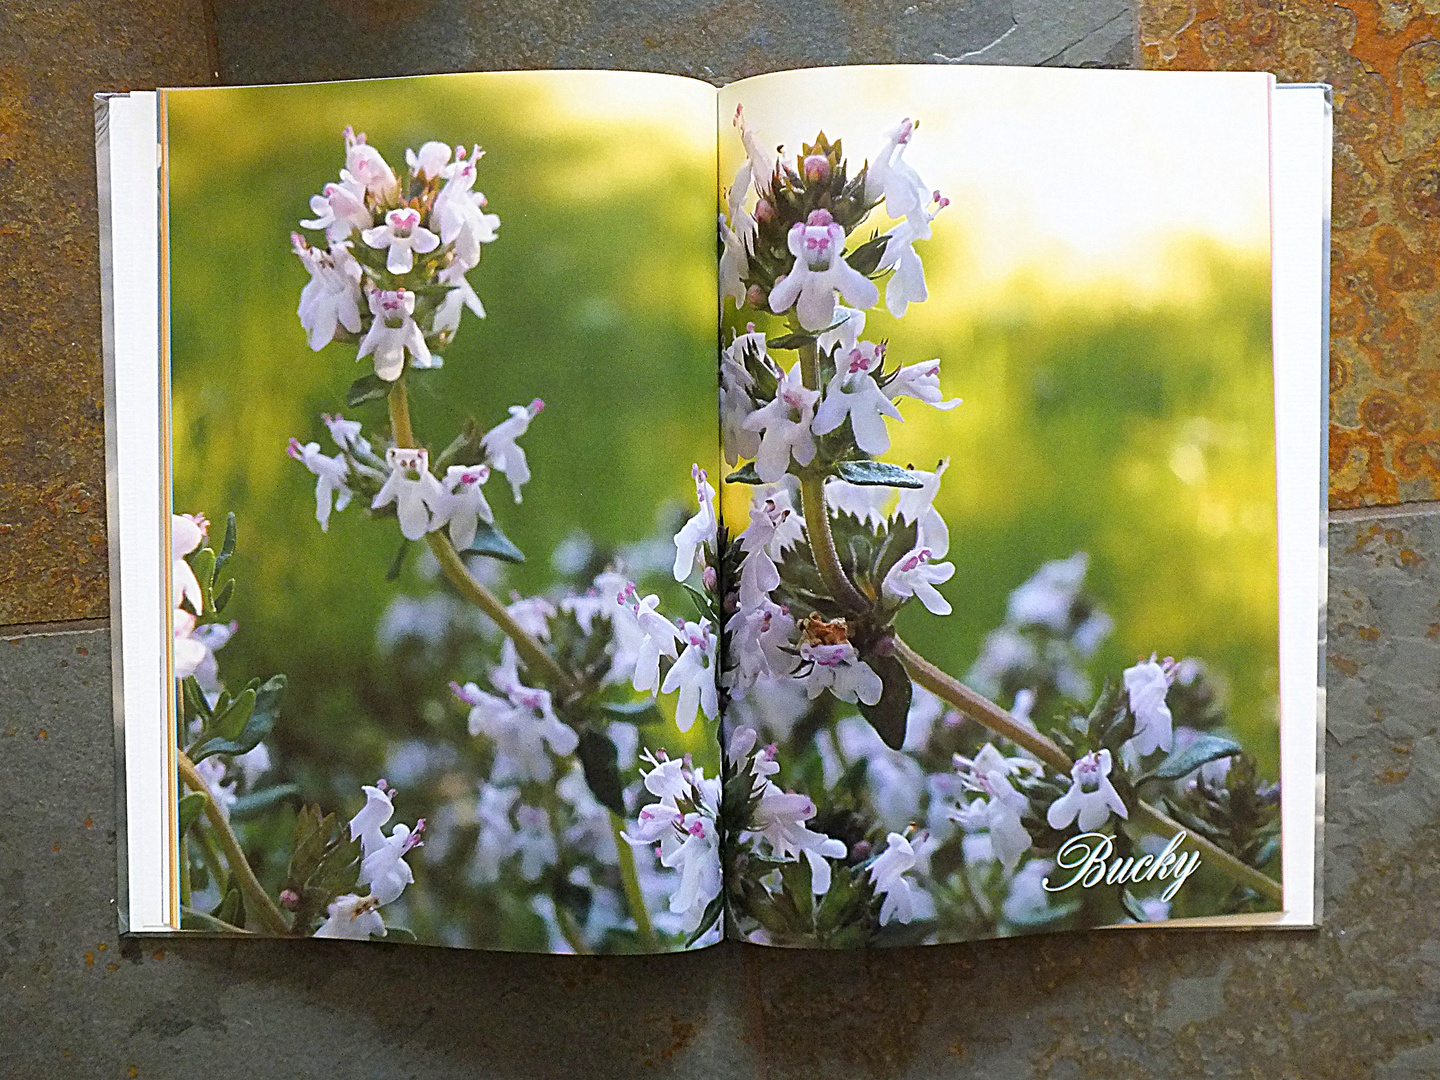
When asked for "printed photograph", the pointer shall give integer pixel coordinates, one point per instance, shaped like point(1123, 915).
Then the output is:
point(999, 538)
point(443, 359)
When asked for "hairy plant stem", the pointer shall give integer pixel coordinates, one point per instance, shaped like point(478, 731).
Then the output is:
point(812, 501)
point(257, 899)
point(976, 706)
point(530, 650)
point(630, 882)
point(985, 712)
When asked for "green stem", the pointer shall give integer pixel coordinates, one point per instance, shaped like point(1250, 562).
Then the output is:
point(184, 871)
point(979, 708)
point(570, 930)
point(211, 922)
point(817, 518)
point(630, 881)
point(986, 713)
point(258, 899)
point(530, 650)
point(1262, 883)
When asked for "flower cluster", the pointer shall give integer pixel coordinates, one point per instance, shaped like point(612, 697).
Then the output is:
point(392, 273)
point(682, 825)
point(382, 867)
point(402, 482)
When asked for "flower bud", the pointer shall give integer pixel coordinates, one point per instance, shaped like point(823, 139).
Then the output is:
point(708, 578)
point(755, 296)
point(817, 168)
point(764, 211)
point(289, 899)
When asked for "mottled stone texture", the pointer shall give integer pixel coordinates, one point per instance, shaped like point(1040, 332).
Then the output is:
point(1384, 61)
point(53, 57)
point(1357, 999)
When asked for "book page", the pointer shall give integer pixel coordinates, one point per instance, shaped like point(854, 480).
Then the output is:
point(442, 443)
point(998, 402)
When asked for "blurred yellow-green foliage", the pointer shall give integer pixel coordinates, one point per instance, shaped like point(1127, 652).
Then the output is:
point(600, 294)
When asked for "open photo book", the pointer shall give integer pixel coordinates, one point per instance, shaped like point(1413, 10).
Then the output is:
point(598, 512)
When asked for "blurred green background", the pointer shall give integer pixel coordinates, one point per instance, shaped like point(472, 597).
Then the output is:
point(600, 295)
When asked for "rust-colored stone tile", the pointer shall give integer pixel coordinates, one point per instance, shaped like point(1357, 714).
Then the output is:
point(53, 57)
point(1384, 61)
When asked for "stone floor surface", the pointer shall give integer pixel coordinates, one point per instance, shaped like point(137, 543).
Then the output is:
point(1359, 998)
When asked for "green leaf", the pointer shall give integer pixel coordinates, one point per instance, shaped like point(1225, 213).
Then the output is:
point(400, 933)
point(231, 908)
point(866, 257)
point(877, 474)
point(229, 723)
point(746, 474)
point(366, 388)
point(259, 723)
point(227, 546)
point(707, 920)
point(704, 605)
point(257, 802)
point(798, 884)
point(190, 919)
point(398, 562)
point(194, 699)
point(598, 757)
point(1205, 749)
point(313, 830)
point(203, 563)
point(490, 541)
point(790, 341)
point(188, 810)
point(223, 597)
point(635, 712)
point(888, 715)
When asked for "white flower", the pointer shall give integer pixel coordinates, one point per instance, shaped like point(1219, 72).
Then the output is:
point(460, 213)
point(779, 817)
point(849, 325)
point(760, 643)
point(393, 333)
point(700, 531)
point(186, 532)
point(915, 575)
point(659, 638)
point(330, 476)
point(785, 426)
point(521, 725)
point(901, 903)
point(1091, 797)
point(212, 771)
point(367, 825)
point(761, 160)
point(430, 162)
point(503, 452)
point(346, 434)
point(697, 858)
point(210, 638)
point(894, 780)
point(839, 669)
point(496, 841)
point(384, 868)
point(907, 282)
point(736, 404)
point(1028, 901)
point(535, 841)
point(1001, 806)
point(864, 501)
point(737, 235)
point(854, 393)
point(890, 177)
point(1146, 684)
point(364, 163)
point(411, 487)
point(819, 271)
point(922, 382)
point(447, 315)
point(352, 917)
point(462, 505)
point(1047, 597)
point(330, 300)
point(758, 572)
point(693, 674)
point(917, 504)
point(340, 210)
point(403, 237)
point(687, 842)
